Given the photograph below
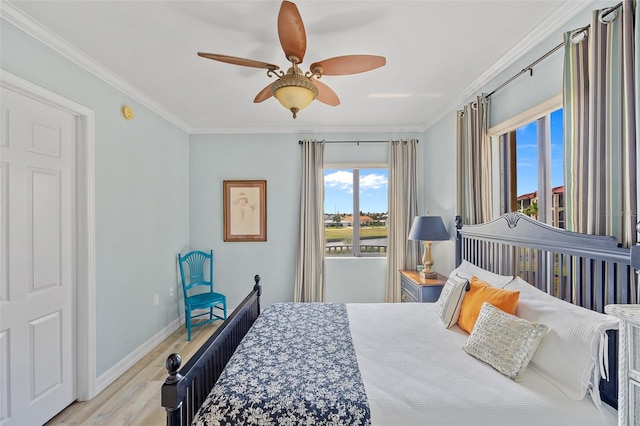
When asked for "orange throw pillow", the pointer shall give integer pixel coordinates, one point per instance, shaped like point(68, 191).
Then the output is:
point(482, 291)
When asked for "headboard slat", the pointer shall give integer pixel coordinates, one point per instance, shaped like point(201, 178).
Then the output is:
point(588, 270)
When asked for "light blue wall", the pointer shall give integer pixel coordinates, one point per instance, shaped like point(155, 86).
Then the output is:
point(439, 159)
point(356, 280)
point(519, 96)
point(141, 193)
point(275, 158)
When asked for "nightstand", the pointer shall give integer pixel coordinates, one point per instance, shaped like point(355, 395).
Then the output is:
point(628, 362)
point(418, 289)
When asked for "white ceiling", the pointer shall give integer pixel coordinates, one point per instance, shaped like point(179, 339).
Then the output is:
point(439, 53)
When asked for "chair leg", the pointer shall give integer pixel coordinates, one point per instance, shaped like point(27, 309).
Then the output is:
point(187, 321)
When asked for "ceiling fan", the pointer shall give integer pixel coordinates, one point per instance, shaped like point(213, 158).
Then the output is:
point(294, 89)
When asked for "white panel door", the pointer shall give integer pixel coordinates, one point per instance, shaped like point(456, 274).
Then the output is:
point(37, 199)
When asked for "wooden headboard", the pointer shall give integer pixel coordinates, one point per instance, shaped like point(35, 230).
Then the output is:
point(587, 270)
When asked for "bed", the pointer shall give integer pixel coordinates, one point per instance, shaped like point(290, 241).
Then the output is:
point(400, 363)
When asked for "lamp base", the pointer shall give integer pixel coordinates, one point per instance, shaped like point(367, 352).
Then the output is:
point(428, 274)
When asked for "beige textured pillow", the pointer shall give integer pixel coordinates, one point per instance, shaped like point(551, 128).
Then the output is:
point(448, 304)
point(504, 341)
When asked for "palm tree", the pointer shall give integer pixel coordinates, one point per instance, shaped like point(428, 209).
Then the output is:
point(532, 210)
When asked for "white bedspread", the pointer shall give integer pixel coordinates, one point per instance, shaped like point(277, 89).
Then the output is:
point(421, 376)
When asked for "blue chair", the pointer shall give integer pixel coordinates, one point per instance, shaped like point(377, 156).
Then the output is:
point(198, 289)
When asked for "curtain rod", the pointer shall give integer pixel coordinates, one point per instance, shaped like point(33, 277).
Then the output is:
point(528, 68)
point(546, 55)
point(300, 142)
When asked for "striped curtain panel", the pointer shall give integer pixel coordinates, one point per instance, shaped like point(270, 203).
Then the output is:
point(474, 162)
point(636, 40)
point(403, 207)
point(310, 276)
point(600, 128)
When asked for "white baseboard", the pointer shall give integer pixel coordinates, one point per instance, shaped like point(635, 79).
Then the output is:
point(127, 362)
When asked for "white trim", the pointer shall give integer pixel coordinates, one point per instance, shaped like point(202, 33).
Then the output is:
point(306, 130)
point(559, 17)
point(566, 11)
point(356, 165)
point(25, 23)
point(85, 276)
point(532, 114)
point(129, 361)
point(86, 238)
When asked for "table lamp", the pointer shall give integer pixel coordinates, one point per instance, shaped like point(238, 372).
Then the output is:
point(427, 229)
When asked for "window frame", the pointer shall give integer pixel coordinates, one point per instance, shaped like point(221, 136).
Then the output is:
point(504, 142)
point(355, 168)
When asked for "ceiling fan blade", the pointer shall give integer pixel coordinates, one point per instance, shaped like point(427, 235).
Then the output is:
point(238, 61)
point(293, 38)
point(263, 95)
point(325, 94)
point(350, 64)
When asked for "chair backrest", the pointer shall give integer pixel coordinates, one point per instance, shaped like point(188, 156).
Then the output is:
point(193, 270)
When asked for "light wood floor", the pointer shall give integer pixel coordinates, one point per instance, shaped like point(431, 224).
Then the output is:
point(134, 398)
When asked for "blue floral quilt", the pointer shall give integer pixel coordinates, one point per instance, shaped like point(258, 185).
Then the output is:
point(296, 366)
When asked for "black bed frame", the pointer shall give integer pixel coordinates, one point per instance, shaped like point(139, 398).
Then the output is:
point(490, 246)
point(184, 391)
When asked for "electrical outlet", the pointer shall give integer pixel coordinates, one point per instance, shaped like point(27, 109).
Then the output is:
point(171, 291)
point(156, 299)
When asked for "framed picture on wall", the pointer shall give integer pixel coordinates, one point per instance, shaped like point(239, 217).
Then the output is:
point(245, 210)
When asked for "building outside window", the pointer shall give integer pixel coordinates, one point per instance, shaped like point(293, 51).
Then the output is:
point(532, 162)
point(355, 207)
point(531, 180)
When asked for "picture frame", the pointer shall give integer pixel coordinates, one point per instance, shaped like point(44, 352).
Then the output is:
point(245, 210)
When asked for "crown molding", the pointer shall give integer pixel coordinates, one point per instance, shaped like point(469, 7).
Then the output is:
point(28, 25)
point(305, 130)
point(566, 11)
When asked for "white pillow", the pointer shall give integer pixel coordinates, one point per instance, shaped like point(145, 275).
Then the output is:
point(468, 269)
point(448, 304)
point(504, 341)
point(570, 355)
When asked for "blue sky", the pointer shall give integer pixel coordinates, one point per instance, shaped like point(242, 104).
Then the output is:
point(527, 151)
point(373, 182)
point(338, 195)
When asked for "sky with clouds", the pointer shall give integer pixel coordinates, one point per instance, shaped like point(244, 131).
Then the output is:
point(338, 186)
point(338, 183)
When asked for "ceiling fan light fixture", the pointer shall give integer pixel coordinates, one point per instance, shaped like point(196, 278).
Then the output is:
point(294, 89)
point(294, 92)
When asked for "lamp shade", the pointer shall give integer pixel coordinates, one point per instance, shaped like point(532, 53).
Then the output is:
point(428, 228)
point(294, 91)
point(294, 97)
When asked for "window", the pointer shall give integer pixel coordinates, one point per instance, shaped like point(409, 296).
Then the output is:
point(368, 224)
point(532, 167)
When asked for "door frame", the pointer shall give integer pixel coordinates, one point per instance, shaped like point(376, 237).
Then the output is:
point(84, 253)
